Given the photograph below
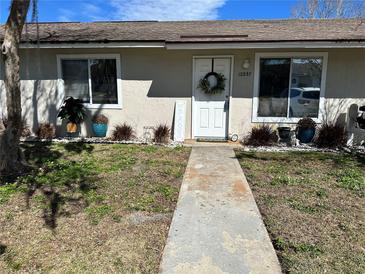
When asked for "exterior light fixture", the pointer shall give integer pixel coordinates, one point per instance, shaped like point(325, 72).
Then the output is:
point(246, 64)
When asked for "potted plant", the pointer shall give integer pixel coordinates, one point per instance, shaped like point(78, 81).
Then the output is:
point(361, 118)
point(284, 133)
point(306, 128)
point(100, 125)
point(73, 111)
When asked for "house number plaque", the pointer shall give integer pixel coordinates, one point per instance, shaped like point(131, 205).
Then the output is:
point(244, 73)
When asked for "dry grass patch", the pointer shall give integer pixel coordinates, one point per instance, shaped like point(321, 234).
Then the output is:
point(90, 208)
point(313, 208)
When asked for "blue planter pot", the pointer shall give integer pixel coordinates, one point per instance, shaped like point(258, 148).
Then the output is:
point(100, 129)
point(306, 135)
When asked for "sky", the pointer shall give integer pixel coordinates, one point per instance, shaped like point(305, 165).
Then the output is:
point(129, 10)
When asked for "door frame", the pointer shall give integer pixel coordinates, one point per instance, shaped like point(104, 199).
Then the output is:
point(193, 111)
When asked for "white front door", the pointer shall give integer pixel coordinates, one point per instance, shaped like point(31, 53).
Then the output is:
point(210, 111)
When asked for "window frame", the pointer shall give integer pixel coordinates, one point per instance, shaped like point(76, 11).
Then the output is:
point(291, 55)
point(116, 57)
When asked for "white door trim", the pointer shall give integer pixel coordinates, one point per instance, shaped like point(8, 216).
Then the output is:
point(194, 88)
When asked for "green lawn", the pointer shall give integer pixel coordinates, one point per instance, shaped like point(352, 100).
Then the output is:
point(90, 208)
point(313, 205)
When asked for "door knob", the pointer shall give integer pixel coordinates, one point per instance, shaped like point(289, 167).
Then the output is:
point(226, 105)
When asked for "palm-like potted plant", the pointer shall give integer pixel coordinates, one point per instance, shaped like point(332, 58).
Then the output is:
point(74, 112)
point(100, 125)
point(306, 129)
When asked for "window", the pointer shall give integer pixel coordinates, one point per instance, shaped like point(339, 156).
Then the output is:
point(93, 79)
point(103, 81)
point(273, 93)
point(288, 88)
point(76, 79)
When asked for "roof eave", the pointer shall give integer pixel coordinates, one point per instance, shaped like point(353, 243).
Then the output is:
point(218, 44)
point(95, 44)
point(310, 44)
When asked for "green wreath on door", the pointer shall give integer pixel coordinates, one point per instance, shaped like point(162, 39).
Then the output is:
point(205, 86)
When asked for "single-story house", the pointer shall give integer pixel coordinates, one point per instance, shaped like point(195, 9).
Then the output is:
point(275, 71)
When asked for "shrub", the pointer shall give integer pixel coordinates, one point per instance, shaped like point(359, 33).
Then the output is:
point(100, 119)
point(46, 131)
point(306, 123)
point(25, 131)
point(161, 134)
point(331, 136)
point(262, 135)
point(123, 132)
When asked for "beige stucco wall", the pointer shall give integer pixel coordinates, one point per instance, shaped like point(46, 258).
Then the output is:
point(153, 79)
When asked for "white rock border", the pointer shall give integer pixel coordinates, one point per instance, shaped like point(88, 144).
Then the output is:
point(97, 140)
point(303, 148)
point(139, 141)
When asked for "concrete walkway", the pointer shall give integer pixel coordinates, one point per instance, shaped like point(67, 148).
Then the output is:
point(217, 227)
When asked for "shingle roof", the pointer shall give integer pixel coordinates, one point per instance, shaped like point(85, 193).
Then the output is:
point(200, 31)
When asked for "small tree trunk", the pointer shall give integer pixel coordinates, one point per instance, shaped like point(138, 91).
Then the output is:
point(11, 161)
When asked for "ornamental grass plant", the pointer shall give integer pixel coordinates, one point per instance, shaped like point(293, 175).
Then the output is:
point(122, 132)
point(161, 134)
point(331, 135)
point(263, 135)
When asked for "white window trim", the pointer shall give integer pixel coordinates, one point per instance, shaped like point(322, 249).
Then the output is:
point(60, 82)
point(255, 101)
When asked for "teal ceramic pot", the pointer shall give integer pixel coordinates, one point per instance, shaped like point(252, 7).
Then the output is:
point(306, 135)
point(100, 129)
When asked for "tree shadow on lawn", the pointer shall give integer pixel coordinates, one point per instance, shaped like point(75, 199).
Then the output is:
point(361, 158)
point(2, 249)
point(55, 199)
point(57, 179)
point(262, 156)
point(338, 158)
point(78, 147)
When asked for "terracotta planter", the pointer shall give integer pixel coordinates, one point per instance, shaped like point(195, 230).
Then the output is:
point(71, 127)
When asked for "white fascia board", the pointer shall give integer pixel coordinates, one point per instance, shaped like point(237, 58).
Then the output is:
point(265, 45)
point(94, 45)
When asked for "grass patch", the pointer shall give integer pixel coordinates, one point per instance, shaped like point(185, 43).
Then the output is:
point(312, 205)
point(61, 173)
point(92, 196)
point(299, 247)
point(284, 180)
point(299, 205)
point(352, 179)
point(88, 201)
point(6, 192)
point(144, 203)
point(167, 191)
point(98, 212)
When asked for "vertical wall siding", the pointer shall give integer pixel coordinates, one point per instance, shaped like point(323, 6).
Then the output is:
point(153, 79)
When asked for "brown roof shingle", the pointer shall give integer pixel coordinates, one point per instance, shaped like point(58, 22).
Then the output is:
point(200, 31)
